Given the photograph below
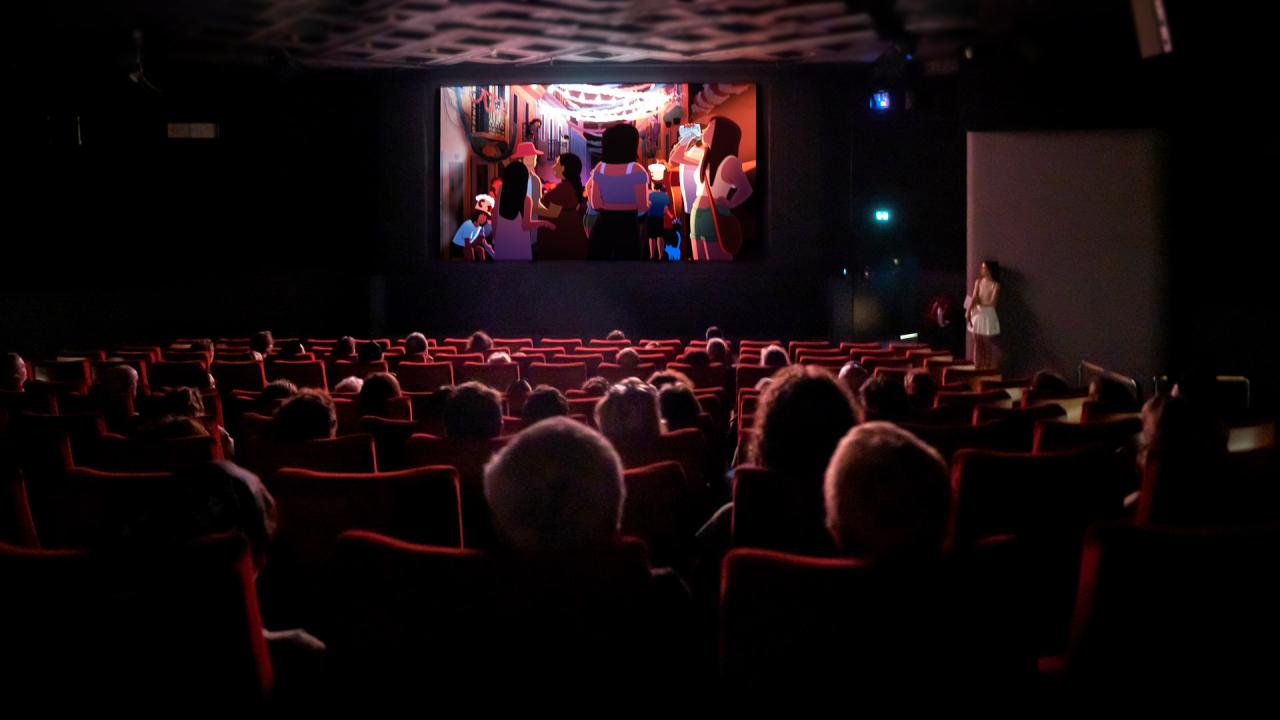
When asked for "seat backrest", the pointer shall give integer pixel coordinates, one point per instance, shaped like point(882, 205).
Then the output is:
point(1051, 435)
point(406, 611)
point(863, 354)
point(950, 439)
point(17, 526)
point(567, 343)
point(986, 413)
point(657, 359)
point(657, 510)
point(417, 505)
point(457, 361)
point(585, 406)
point(820, 345)
point(349, 453)
point(776, 512)
point(73, 372)
point(200, 356)
point(805, 353)
point(512, 344)
point(1053, 495)
point(303, 373)
point(46, 445)
point(129, 628)
point(849, 347)
point(389, 439)
point(119, 454)
point(971, 375)
point(748, 375)
point(1188, 609)
point(498, 376)
point(343, 369)
point(562, 376)
point(424, 377)
point(548, 352)
point(937, 366)
point(786, 618)
point(609, 353)
point(100, 507)
point(947, 398)
point(616, 373)
point(897, 373)
point(239, 375)
point(708, 376)
point(179, 373)
point(468, 457)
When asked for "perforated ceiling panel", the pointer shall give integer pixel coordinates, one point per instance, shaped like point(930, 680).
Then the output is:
point(437, 32)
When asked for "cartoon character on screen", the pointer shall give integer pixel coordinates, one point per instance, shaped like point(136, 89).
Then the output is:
point(484, 248)
point(470, 242)
point(568, 240)
point(674, 240)
point(659, 209)
point(515, 227)
point(722, 185)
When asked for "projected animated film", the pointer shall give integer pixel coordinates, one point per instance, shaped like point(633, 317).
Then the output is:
point(656, 172)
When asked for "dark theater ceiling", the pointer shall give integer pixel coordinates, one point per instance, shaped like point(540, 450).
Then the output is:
point(416, 33)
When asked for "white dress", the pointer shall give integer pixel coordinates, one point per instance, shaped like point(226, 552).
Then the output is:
point(983, 320)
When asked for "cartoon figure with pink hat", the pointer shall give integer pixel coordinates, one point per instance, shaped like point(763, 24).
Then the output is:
point(526, 153)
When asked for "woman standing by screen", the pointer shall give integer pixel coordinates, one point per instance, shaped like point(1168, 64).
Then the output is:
point(514, 222)
point(984, 325)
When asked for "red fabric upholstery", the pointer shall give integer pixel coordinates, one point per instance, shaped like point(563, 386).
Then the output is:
point(342, 369)
point(616, 373)
point(1186, 613)
point(567, 343)
point(389, 439)
point(424, 377)
point(468, 457)
point(512, 344)
point(562, 376)
point(239, 375)
point(417, 505)
point(303, 373)
point(947, 398)
point(132, 630)
point(779, 513)
point(16, 524)
point(948, 439)
point(973, 376)
point(1047, 501)
point(405, 612)
point(70, 372)
point(350, 453)
point(748, 375)
point(119, 454)
point(789, 618)
point(658, 510)
point(179, 373)
point(1051, 435)
point(498, 376)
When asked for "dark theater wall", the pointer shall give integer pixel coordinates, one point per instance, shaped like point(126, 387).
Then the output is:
point(312, 213)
